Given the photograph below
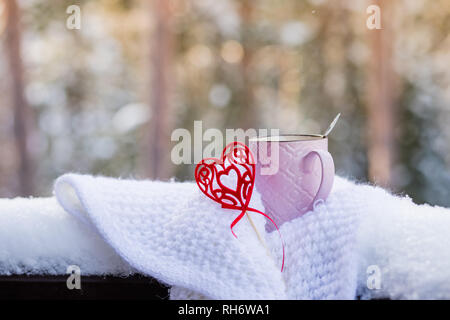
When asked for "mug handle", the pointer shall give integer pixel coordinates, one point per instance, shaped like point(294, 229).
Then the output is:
point(327, 164)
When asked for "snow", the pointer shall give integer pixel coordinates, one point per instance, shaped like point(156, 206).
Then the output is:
point(407, 243)
point(38, 237)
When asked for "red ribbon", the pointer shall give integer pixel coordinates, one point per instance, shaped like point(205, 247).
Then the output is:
point(237, 158)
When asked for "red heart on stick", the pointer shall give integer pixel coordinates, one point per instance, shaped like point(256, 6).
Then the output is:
point(212, 175)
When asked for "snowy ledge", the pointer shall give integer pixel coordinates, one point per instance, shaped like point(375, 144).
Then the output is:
point(38, 237)
point(405, 243)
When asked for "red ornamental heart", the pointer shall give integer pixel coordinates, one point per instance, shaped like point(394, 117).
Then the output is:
point(213, 177)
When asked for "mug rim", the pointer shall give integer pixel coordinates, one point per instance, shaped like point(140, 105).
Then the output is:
point(312, 137)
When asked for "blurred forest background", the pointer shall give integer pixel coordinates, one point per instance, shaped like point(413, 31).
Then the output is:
point(104, 99)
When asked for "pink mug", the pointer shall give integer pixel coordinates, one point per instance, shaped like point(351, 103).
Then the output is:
point(292, 173)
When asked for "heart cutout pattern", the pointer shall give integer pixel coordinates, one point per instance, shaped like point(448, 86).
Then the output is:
point(213, 177)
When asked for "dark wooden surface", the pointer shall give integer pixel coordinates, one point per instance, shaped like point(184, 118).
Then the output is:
point(35, 287)
point(92, 287)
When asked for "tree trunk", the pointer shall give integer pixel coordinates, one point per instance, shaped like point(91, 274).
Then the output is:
point(21, 111)
point(380, 95)
point(247, 113)
point(159, 139)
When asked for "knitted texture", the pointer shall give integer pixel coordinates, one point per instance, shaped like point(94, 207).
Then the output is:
point(320, 250)
point(175, 234)
point(172, 232)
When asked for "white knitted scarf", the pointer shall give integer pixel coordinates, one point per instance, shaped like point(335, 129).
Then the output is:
point(172, 232)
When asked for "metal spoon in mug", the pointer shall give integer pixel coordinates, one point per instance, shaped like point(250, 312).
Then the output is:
point(331, 127)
